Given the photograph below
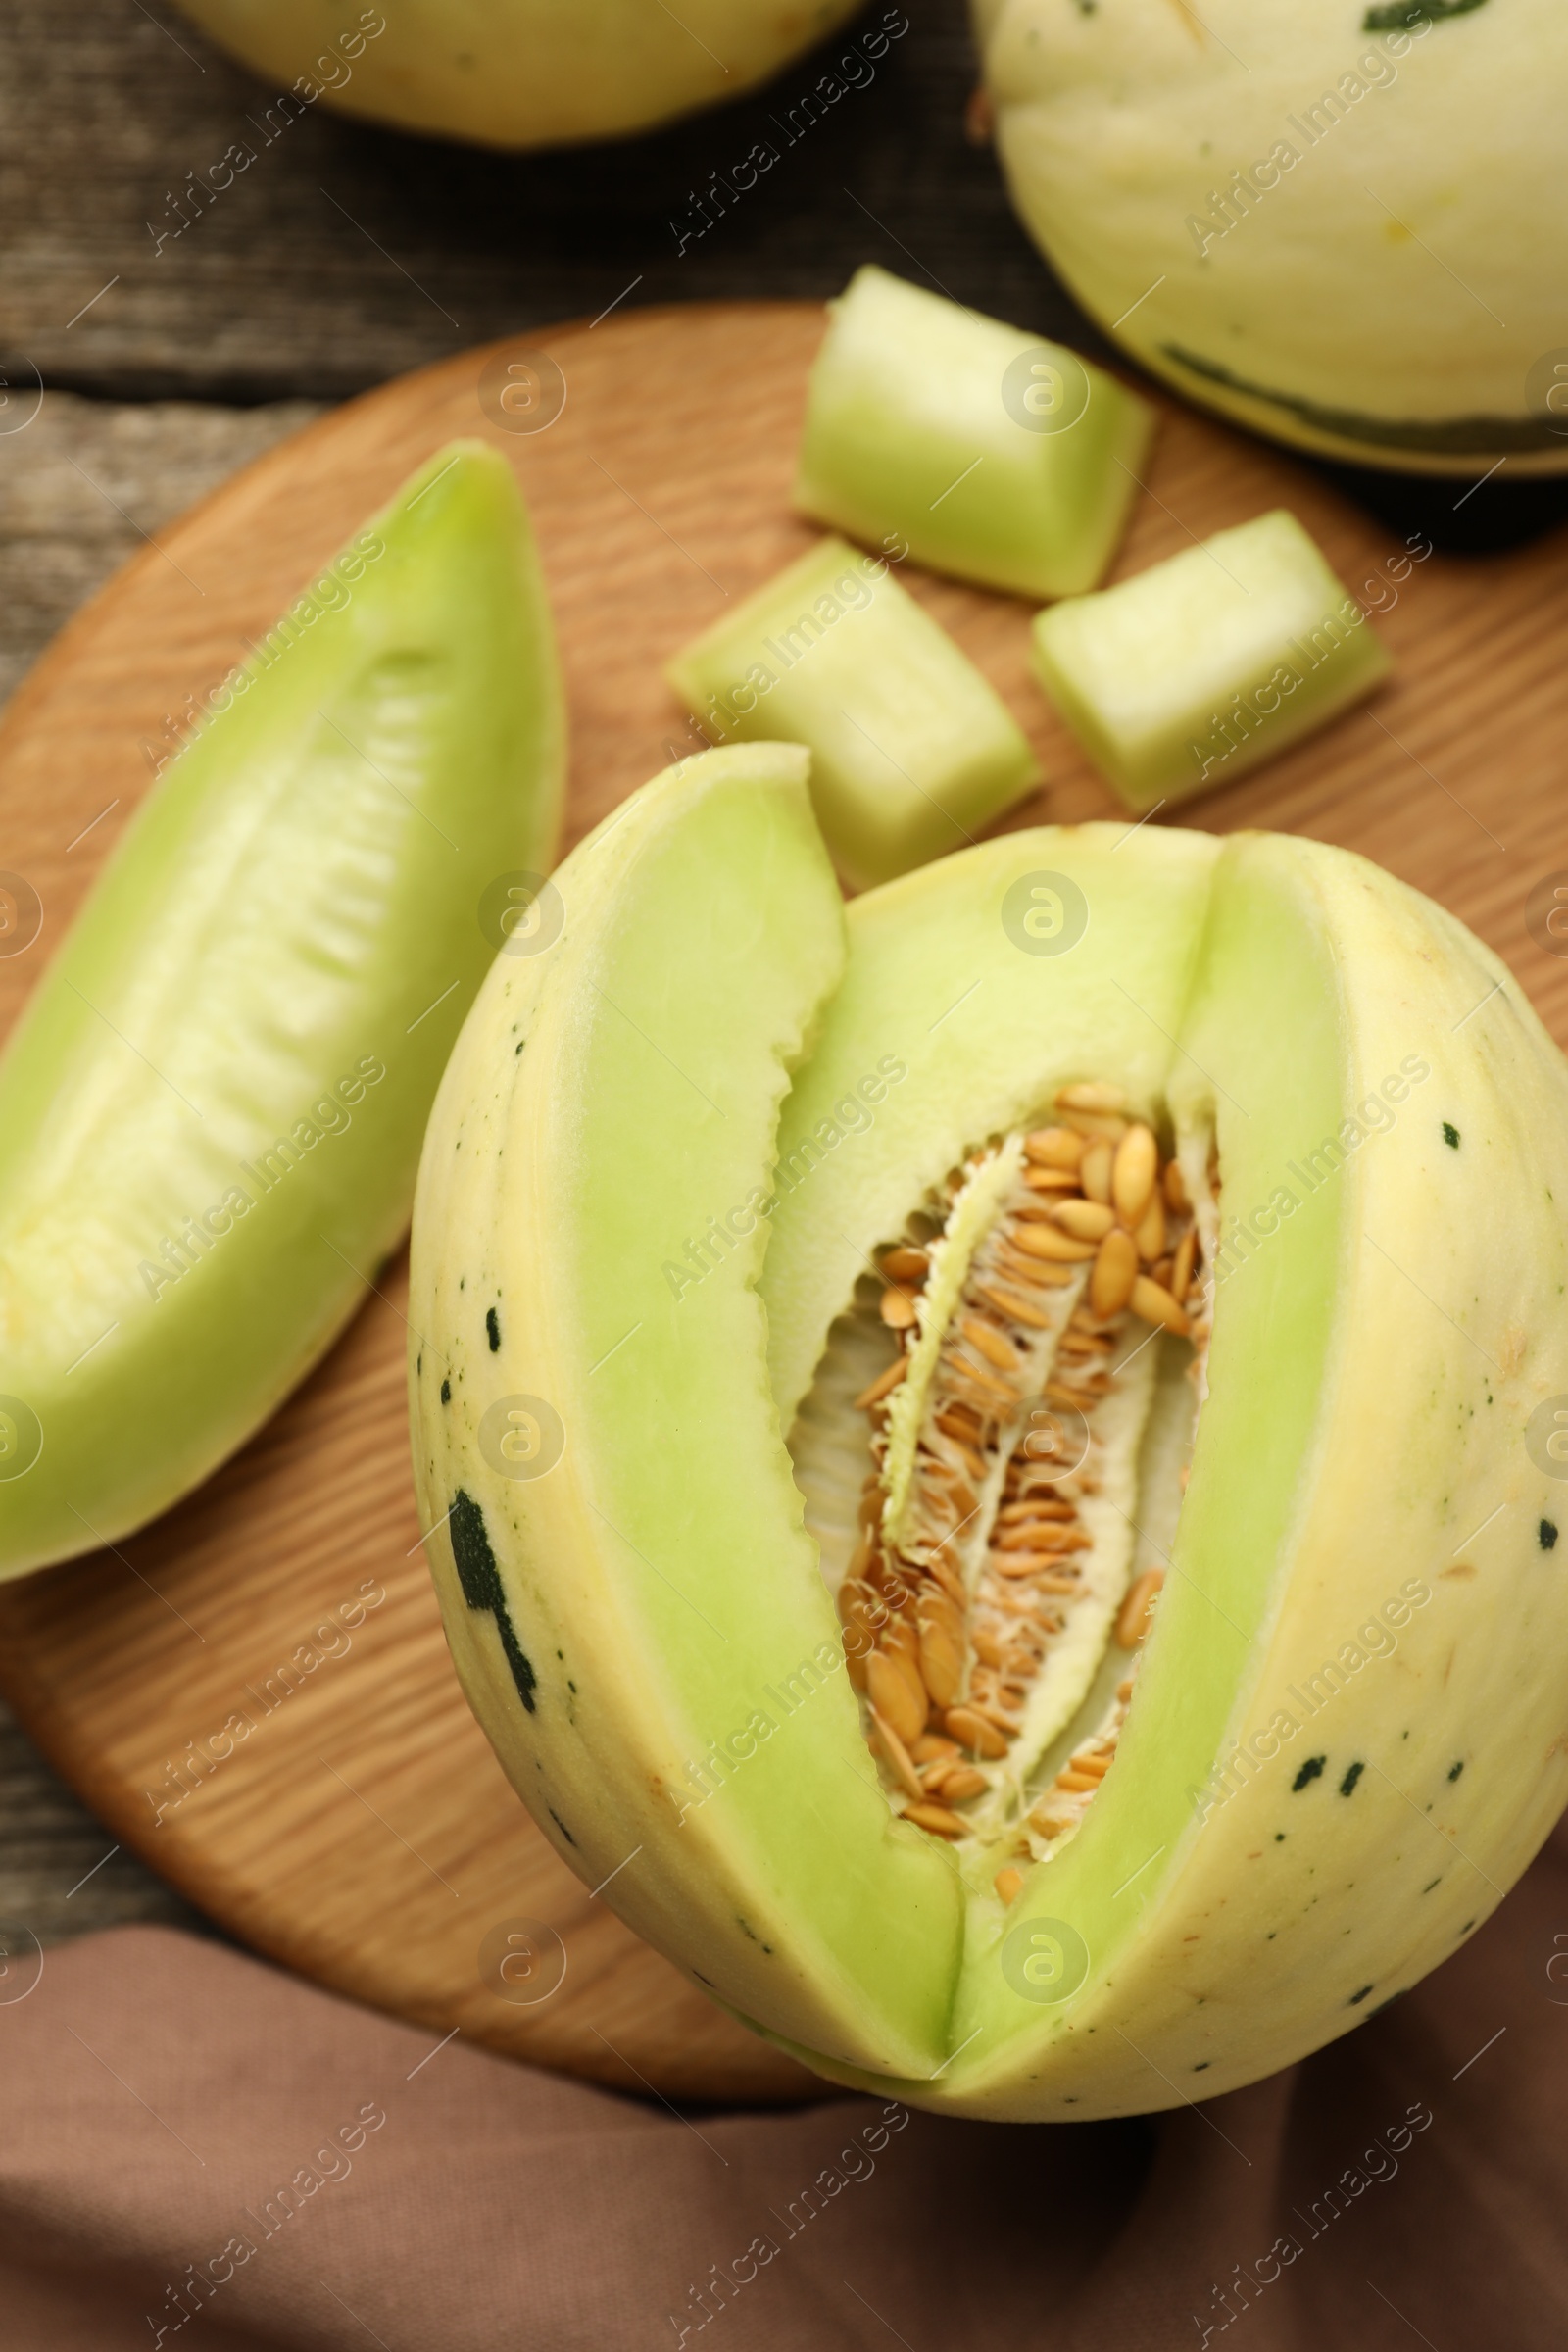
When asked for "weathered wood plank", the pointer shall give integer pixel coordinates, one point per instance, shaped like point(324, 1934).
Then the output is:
point(344, 254)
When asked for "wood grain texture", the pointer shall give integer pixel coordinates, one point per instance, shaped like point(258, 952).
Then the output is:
point(344, 252)
point(360, 1831)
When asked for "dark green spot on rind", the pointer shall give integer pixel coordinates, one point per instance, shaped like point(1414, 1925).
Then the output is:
point(446, 1392)
point(1353, 1776)
point(1431, 1883)
point(1403, 16)
point(1450, 1136)
point(1454, 1769)
point(561, 1824)
point(1358, 1996)
point(1202, 2066)
point(492, 1326)
point(1448, 436)
point(480, 1579)
point(1310, 1772)
point(1547, 1532)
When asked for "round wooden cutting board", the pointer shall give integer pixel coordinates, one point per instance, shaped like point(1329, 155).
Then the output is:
point(362, 1831)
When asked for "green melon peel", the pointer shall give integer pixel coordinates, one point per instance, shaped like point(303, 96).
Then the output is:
point(1356, 1599)
point(211, 1108)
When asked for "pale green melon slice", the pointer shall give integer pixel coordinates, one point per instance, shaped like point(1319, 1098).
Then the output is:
point(1183, 678)
point(980, 450)
point(913, 750)
point(686, 1732)
point(212, 1107)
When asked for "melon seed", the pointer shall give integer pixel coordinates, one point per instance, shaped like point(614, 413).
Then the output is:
point(1017, 1310)
point(894, 1698)
point(1052, 1180)
point(1085, 1220)
point(1134, 1172)
point(897, 1754)
point(990, 1342)
point(1159, 1307)
point(1150, 1231)
point(1046, 1241)
point(1111, 1284)
point(941, 1662)
point(1138, 1608)
point(927, 1816)
point(1095, 1172)
point(975, 1733)
point(1054, 1148)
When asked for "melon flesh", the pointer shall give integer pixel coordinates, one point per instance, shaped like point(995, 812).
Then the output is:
point(1277, 1839)
point(978, 449)
point(212, 1109)
point(1183, 678)
point(913, 750)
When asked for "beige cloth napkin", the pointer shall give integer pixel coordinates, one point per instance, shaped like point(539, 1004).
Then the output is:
point(198, 2150)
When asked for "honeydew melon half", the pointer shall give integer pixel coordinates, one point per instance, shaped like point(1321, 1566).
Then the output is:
point(1339, 1736)
point(1321, 218)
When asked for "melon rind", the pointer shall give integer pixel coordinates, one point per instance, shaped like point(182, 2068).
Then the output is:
point(608, 1099)
point(521, 74)
point(1393, 296)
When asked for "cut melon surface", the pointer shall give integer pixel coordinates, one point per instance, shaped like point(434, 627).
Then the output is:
point(1040, 1597)
point(978, 449)
point(212, 1106)
point(1187, 675)
point(913, 750)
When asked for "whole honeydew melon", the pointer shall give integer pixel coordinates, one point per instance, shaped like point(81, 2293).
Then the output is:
point(985, 1452)
point(518, 73)
point(1334, 222)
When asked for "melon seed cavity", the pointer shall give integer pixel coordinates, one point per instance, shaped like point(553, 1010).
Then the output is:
point(1051, 1327)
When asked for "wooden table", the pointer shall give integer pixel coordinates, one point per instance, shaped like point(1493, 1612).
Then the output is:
point(347, 255)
